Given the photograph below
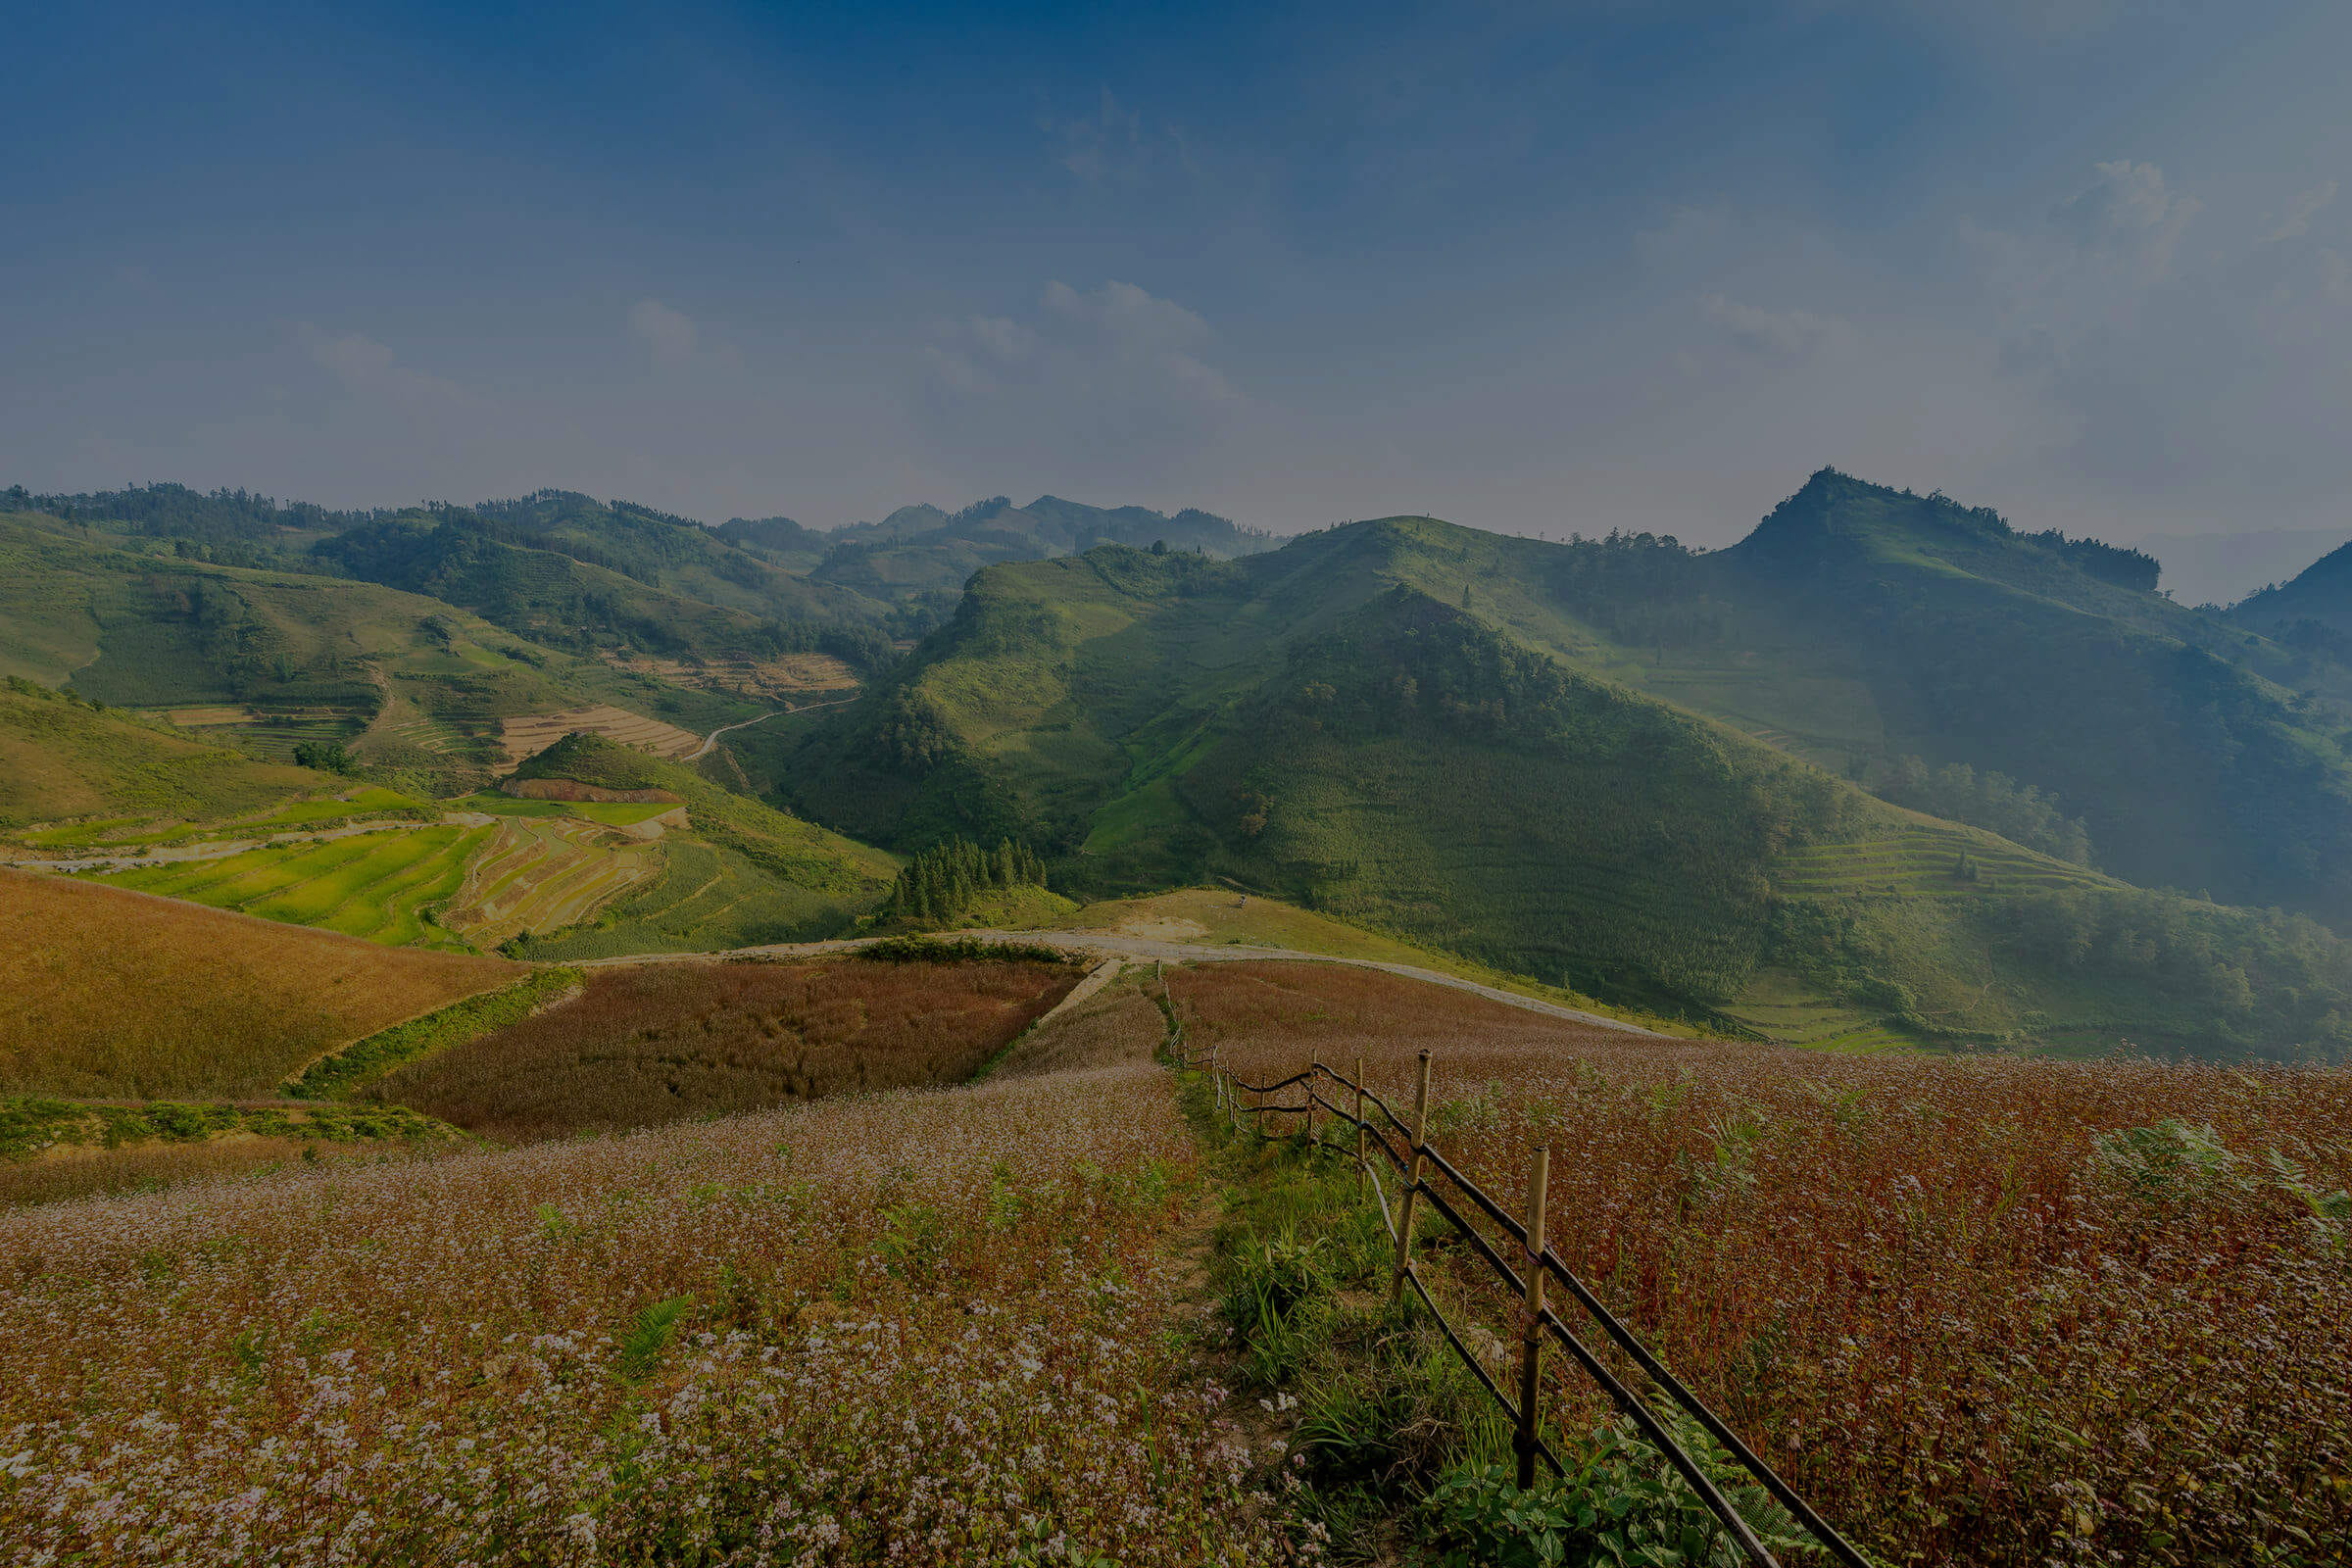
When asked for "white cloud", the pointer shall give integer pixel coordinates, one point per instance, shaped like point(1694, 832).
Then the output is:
point(1113, 146)
point(1101, 379)
point(367, 368)
point(2306, 206)
point(2127, 211)
point(668, 333)
point(1783, 337)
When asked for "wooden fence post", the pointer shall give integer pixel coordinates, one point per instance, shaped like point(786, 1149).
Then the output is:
point(1531, 1343)
point(1412, 1186)
point(1362, 1173)
point(1309, 1087)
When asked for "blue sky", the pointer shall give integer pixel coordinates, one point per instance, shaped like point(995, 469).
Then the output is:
point(1529, 266)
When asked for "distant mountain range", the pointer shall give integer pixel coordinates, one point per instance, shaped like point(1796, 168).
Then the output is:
point(1588, 762)
point(1889, 767)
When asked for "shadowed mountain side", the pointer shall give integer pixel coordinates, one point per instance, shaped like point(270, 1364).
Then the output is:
point(1409, 725)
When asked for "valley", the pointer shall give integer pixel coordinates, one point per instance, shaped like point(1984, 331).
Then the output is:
point(523, 970)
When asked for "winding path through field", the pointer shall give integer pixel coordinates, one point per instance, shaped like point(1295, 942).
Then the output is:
point(1110, 944)
point(222, 849)
point(711, 740)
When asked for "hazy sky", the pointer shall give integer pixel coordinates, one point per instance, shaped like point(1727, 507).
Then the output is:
point(1525, 266)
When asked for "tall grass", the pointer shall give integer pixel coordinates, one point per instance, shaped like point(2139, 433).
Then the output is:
point(1990, 1310)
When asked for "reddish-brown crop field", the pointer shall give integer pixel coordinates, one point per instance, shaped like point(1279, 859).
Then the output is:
point(653, 1043)
point(932, 1328)
point(1980, 1311)
point(108, 991)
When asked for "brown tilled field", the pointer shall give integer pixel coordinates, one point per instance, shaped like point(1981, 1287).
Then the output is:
point(106, 992)
point(792, 676)
point(1984, 1309)
point(527, 737)
point(656, 1043)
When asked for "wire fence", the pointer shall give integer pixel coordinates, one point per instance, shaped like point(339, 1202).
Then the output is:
point(1384, 1141)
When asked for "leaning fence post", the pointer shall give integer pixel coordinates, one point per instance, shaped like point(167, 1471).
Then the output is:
point(1530, 1342)
point(1362, 1174)
point(1412, 1186)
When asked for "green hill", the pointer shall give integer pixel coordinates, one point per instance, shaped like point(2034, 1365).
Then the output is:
point(919, 551)
point(761, 875)
point(620, 591)
point(61, 758)
point(2312, 612)
point(1403, 723)
point(1857, 625)
point(272, 657)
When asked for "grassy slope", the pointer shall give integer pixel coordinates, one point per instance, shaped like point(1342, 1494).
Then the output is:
point(1858, 621)
point(758, 875)
point(1228, 917)
point(60, 760)
point(427, 682)
point(386, 887)
point(548, 595)
point(1398, 724)
point(108, 993)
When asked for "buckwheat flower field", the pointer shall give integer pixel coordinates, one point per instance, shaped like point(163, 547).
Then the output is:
point(1979, 1310)
point(930, 1327)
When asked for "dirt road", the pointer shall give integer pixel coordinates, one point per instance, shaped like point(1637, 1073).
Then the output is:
point(711, 740)
point(1148, 949)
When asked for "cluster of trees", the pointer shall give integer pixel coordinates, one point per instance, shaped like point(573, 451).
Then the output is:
point(176, 512)
point(328, 756)
point(2126, 568)
point(1996, 801)
point(2261, 982)
point(940, 883)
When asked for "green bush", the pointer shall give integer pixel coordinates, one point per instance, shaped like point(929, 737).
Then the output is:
point(1624, 1504)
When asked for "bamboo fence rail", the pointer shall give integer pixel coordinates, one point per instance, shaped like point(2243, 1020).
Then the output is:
point(1386, 1137)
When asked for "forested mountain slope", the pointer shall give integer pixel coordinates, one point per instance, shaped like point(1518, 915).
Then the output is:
point(1402, 723)
point(1856, 624)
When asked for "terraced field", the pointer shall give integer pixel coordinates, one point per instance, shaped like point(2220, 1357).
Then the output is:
point(1784, 1006)
point(1928, 862)
point(524, 737)
point(542, 873)
point(707, 897)
point(760, 679)
point(125, 831)
point(380, 886)
point(612, 814)
point(271, 732)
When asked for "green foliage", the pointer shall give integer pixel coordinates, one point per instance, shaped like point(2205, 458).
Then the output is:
point(1624, 1506)
point(1990, 800)
point(958, 949)
point(940, 884)
point(1397, 753)
point(2258, 984)
point(707, 897)
point(328, 756)
point(364, 1061)
point(32, 1124)
point(649, 1334)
